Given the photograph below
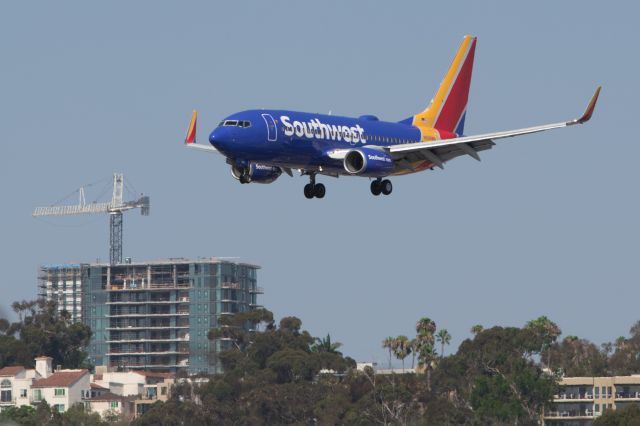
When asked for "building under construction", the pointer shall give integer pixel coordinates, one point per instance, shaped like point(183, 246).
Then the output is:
point(62, 284)
point(153, 315)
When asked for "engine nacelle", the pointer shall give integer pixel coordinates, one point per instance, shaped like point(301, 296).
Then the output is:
point(368, 162)
point(258, 173)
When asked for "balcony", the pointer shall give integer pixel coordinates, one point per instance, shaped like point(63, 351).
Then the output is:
point(628, 395)
point(573, 397)
point(570, 414)
point(147, 352)
point(235, 286)
point(256, 290)
point(168, 339)
point(145, 302)
point(168, 314)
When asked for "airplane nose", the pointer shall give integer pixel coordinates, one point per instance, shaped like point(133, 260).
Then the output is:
point(215, 139)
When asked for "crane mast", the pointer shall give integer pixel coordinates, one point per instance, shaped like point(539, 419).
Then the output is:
point(115, 208)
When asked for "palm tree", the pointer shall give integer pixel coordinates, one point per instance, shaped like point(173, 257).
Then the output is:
point(425, 327)
point(325, 345)
point(477, 329)
point(444, 338)
point(389, 343)
point(401, 349)
point(427, 356)
point(414, 344)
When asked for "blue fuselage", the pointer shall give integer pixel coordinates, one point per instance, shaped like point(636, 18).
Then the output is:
point(299, 140)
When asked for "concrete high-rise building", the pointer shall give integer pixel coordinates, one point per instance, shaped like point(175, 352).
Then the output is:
point(156, 315)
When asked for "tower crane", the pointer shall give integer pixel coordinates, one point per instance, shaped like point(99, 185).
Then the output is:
point(115, 208)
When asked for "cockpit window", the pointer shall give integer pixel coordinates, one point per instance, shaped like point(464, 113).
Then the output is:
point(236, 123)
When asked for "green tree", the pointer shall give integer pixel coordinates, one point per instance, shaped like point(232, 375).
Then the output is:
point(578, 357)
point(325, 345)
point(388, 343)
point(76, 415)
point(41, 329)
point(24, 415)
point(506, 383)
point(175, 413)
point(546, 332)
point(425, 336)
point(401, 348)
point(414, 344)
point(444, 338)
point(476, 329)
point(628, 416)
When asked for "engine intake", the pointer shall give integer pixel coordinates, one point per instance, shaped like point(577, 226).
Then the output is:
point(368, 162)
point(257, 173)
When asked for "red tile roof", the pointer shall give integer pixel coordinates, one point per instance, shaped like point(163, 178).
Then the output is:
point(11, 371)
point(60, 379)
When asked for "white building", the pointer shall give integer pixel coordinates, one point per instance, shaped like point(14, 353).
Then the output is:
point(109, 406)
point(111, 394)
point(61, 389)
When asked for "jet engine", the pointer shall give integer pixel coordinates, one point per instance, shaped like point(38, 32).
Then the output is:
point(368, 162)
point(256, 173)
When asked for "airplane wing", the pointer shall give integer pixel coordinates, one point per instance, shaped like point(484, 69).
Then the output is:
point(440, 151)
point(190, 140)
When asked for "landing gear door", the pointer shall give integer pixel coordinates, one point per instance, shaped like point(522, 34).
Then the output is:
point(272, 130)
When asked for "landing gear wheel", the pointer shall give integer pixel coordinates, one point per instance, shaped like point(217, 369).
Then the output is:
point(309, 191)
point(376, 188)
point(245, 178)
point(319, 190)
point(386, 186)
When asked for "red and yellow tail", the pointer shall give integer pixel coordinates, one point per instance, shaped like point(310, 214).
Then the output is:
point(445, 116)
point(191, 133)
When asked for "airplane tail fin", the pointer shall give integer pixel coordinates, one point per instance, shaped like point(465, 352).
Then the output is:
point(448, 108)
point(191, 133)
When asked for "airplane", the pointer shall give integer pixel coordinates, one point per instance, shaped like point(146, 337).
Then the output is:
point(260, 145)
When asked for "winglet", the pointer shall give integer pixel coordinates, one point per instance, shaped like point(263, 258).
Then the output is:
point(191, 133)
point(589, 111)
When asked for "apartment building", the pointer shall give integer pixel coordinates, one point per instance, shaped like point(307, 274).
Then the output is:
point(583, 399)
point(153, 315)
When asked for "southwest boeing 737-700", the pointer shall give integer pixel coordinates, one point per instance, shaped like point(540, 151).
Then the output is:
point(261, 144)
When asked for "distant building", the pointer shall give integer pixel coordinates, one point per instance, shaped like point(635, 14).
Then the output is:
point(62, 284)
point(113, 395)
point(61, 389)
point(583, 399)
point(153, 315)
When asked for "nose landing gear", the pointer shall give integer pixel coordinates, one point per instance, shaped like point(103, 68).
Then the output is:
point(313, 189)
point(380, 186)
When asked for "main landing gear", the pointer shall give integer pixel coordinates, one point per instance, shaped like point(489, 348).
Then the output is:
point(313, 189)
point(380, 186)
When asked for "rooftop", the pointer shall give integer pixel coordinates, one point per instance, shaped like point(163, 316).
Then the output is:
point(60, 379)
point(168, 261)
point(98, 387)
point(11, 371)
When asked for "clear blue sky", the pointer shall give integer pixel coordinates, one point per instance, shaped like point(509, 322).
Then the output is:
point(545, 225)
